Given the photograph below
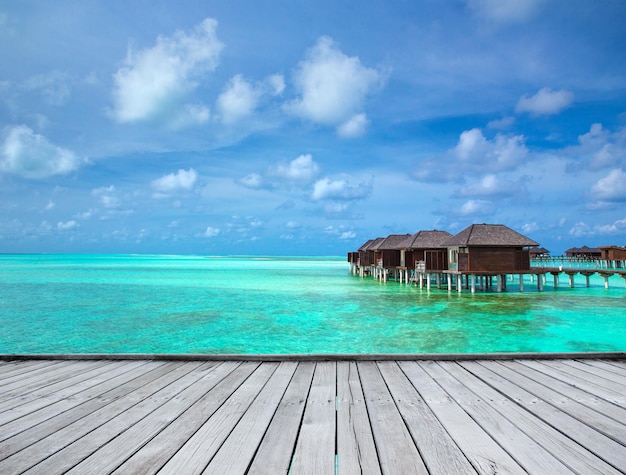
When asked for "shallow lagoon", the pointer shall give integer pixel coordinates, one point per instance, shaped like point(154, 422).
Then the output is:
point(197, 304)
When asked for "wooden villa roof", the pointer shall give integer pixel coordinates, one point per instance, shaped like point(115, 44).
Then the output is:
point(371, 244)
point(583, 250)
point(427, 240)
point(489, 235)
point(365, 245)
point(391, 242)
point(539, 251)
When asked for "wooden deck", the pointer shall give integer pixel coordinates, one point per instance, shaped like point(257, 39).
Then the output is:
point(306, 417)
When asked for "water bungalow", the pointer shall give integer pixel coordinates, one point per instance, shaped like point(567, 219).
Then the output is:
point(476, 255)
point(614, 255)
point(487, 250)
point(584, 252)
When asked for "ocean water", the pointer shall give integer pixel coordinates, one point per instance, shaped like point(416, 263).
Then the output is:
point(269, 305)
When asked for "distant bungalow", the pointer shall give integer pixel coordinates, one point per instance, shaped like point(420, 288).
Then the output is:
point(480, 252)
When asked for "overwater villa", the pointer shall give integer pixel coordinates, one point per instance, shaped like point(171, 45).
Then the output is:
point(472, 259)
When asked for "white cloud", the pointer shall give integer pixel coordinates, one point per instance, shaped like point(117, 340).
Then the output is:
point(347, 235)
point(582, 229)
point(211, 232)
point(174, 182)
point(489, 186)
point(503, 123)
point(545, 102)
point(504, 11)
point(276, 83)
point(332, 86)
point(301, 169)
point(475, 207)
point(529, 228)
point(107, 196)
point(340, 190)
point(63, 226)
point(30, 155)
point(475, 151)
point(253, 180)
point(611, 188)
point(354, 127)
point(153, 81)
point(190, 115)
point(238, 100)
point(600, 148)
point(472, 144)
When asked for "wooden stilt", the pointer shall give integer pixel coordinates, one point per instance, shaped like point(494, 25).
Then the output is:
point(521, 282)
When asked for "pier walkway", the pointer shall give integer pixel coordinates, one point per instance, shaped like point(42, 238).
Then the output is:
point(306, 415)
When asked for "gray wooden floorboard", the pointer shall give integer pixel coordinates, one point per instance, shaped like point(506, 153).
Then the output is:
point(327, 417)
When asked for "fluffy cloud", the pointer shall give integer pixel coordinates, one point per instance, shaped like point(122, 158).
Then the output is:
point(240, 97)
point(600, 148)
point(475, 207)
point(301, 169)
point(174, 182)
point(490, 186)
point(582, 229)
point(154, 81)
point(545, 102)
point(211, 232)
point(107, 196)
point(332, 87)
point(30, 155)
point(611, 188)
point(354, 127)
point(339, 190)
point(238, 100)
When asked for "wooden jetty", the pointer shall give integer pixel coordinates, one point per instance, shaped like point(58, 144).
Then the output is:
point(394, 414)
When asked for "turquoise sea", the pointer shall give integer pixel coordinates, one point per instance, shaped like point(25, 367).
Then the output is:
point(199, 304)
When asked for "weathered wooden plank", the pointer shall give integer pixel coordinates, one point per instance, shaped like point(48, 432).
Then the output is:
point(440, 453)
point(396, 449)
point(570, 453)
point(237, 451)
point(158, 450)
point(58, 431)
point(22, 419)
point(11, 368)
point(39, 378)
point(580, 395)
point(597, 367)
point(59, 390)
point(315, 448)
point(561, 415)
point(356, 451)
point(142, 401)
point(556, 392)
point(611, 371)
point(590, 383)
point(276, 449)
point(197, 452)
point(527, 452)
point(485, 454)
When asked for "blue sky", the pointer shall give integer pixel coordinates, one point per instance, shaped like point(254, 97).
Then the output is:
point(296, 128)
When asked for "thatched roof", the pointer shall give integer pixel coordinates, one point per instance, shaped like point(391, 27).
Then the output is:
point(489, 235)
point(369, 245)
point(365, 245)
point(427, 240)
point(539, 251)
point(391, 242)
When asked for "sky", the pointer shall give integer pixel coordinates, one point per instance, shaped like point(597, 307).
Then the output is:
point(224, 127)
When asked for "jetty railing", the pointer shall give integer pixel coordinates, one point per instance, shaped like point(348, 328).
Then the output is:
point(577, 263)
